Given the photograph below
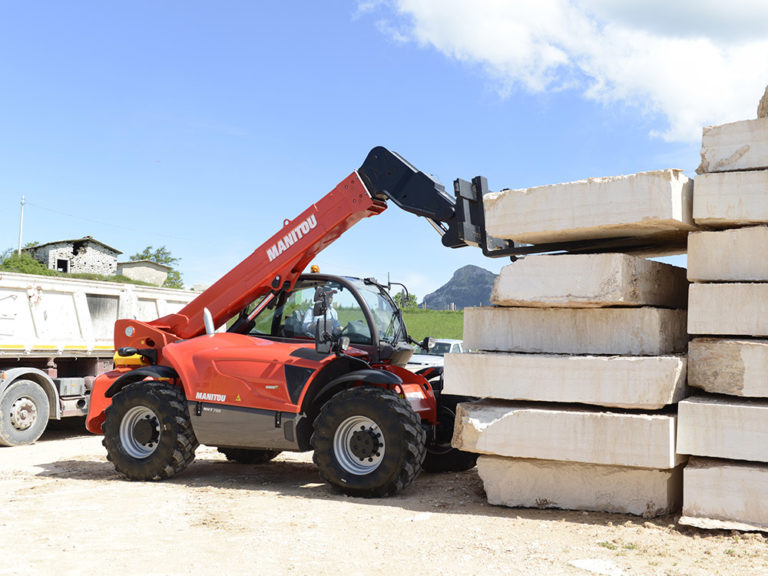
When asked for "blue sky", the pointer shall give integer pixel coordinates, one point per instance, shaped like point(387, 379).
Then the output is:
point(202, 125)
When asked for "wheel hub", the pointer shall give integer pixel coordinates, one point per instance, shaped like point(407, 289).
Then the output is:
point(364, 443)
point(144, 432)
point(139, 432)
point(359, 445)
point(23, 413)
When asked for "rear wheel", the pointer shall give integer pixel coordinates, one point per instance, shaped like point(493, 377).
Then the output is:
point(248, 456)
point(23, 413)
point(368, 442)
point(147, 431)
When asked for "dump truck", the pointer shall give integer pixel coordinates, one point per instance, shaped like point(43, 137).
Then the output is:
point(56, 337)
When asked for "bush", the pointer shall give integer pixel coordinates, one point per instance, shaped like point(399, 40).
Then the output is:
point(25, 264)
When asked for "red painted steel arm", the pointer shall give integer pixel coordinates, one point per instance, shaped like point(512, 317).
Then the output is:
point(279, 261)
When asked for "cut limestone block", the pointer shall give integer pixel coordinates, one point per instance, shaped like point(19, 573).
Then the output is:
point(641, 204)
point(736, 255)
point(567, 434)
point(726, 366)
point(739, 145)
point(639, 382)
point(572, 486)
point(730, 309)
point(718, 427)
point(731, 198)
point(630, 331)
point(724, 495)
point(590, 280)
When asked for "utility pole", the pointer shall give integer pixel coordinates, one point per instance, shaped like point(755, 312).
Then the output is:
point(21, 223)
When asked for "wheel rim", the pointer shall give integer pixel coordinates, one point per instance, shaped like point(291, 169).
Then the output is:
point(359, 445)
point(23, 413)
point(139, 432)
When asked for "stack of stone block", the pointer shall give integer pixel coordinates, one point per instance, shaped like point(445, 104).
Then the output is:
point(724, 427)
point(581, 357)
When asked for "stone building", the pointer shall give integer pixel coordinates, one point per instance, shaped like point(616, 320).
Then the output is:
point(84, 255)
point(145, 271)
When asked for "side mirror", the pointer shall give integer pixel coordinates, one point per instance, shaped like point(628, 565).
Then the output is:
point(427, 344)
point(323, 340)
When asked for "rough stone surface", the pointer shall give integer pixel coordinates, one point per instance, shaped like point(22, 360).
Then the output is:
point(731, 198)
point(726, 366)
point(630, 331)
point(590, 280)
point(735, 309)
point(567, 434)
point(718, 427)
point(736, 255)
point(571, 486)
point(739, 145)
point(636, 205)
point(724, 495)
point(638, 382)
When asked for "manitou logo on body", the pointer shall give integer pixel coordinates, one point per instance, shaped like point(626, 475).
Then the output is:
point(211, 397)
point(291, 238)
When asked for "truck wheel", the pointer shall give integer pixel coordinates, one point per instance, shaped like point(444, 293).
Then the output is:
point(368, 442)
point(147, 431)
point(248, 456)
point(441, 456)
point(23, 413)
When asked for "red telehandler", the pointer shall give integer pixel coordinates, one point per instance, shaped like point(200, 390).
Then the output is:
point(299, 362)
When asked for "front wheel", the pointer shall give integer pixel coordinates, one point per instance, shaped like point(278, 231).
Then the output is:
point(23, 413)
point(368, 442)
point(441, 456)
point(147, 431)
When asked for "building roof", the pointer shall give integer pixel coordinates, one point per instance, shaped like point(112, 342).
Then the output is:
point(149, 263)
point(84, 239)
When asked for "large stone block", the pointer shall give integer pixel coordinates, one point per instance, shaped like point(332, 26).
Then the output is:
point(567, 434)
point(736, 255)
point(629, 331)
point(643, 204)
point(590, 280)
point(735, 309)
point(717, 427)
point(725, 495)
point(572, 486)
point(726, 366)
point(731, 198)
point(739, 145)
point(638, 382)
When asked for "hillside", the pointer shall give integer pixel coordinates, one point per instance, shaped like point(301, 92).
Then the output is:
point(469, 286)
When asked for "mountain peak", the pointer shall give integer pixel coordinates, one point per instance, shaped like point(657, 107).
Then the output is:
point(469, 286)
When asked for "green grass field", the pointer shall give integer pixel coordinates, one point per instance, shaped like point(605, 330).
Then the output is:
point(435, 323)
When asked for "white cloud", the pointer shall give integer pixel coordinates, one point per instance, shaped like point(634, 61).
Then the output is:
point(696, 62)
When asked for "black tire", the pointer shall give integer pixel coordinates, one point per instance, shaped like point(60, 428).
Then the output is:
point(24, 410)
point(441, 456)
point(248, 455)
point(147, 431)
point(368, 442)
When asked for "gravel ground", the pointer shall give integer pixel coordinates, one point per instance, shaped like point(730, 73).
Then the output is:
point(66, 511)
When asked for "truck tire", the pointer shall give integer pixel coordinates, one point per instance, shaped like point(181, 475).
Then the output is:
point(441, 456)
point(368, 442)
point(147, 431)
point(23, 413)
point(248, 455)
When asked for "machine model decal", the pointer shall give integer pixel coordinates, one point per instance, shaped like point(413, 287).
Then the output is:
point(291, 238)
point(211, 397)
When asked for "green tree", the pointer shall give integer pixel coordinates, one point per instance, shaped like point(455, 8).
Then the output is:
point(406, 302)
point(162, 256)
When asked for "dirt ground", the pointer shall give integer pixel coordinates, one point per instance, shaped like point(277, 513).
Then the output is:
point(64, 510)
